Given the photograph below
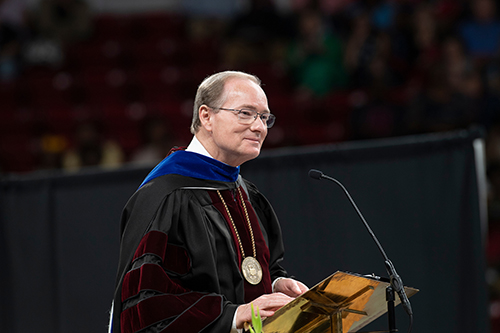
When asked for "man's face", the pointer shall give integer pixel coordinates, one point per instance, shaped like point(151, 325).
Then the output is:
point(236, 143)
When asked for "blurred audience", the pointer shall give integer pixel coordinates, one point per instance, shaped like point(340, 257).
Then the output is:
point(66, 21)
point(425, 42)
point(360, 48)
point(481, 32)
point(13, 35)
point(255, 35)
point(214, 8)
point(55, 25)
point(50, 150)
point(91, 148)
point(157, 142)
point(328, 7)
point(315, 57)
point(398, 67)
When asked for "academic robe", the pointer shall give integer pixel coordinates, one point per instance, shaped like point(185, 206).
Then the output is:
point(180, 259)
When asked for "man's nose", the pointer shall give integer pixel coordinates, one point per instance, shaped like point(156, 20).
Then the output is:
point(259, 125)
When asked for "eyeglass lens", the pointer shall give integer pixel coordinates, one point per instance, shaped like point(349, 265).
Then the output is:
point(248, 116)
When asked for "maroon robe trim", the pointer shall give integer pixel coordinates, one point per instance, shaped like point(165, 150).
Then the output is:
point(148, 277)
point(164, 299)
point(238, 214)
point(174, 258)
point(154, 310)
point(154, 242)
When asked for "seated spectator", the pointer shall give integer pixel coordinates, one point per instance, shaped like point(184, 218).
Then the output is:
point(443, 107)
point(455, 60)
point(481, 33)
point(63, 20)
point(91, 149)
point(360, 48)
point(254, 35)
point(315, 57)
point(384, 14)
point(157, 142)
point(464, 81)
point(13, 33)
point(55, 25)
point(425, 42)
point(377, 117)
point(51, 150)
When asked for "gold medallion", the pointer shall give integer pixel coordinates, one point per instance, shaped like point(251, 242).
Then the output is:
point(251, 270)
point(250, 266)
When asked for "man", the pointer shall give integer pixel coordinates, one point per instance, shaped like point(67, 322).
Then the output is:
point(199, 243)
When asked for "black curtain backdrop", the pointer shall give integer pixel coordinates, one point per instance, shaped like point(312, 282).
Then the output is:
point(59, 233)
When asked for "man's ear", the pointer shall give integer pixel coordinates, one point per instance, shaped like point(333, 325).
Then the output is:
point(205, 117)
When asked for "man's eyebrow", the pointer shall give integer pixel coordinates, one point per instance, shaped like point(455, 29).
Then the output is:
point(253, 108)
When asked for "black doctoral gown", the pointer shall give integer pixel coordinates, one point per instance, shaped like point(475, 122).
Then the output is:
point(179, 268)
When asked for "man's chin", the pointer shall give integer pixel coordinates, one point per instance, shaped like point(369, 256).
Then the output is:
point(250, 155)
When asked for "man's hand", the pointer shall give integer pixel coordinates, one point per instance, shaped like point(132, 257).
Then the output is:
point(267, 305)
point(290, 287)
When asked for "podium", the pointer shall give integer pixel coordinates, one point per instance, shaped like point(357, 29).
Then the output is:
point(342, 303)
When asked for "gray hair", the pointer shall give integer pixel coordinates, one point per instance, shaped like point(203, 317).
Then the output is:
point(211, 92)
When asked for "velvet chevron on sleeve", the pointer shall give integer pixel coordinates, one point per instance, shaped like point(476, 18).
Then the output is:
point(150, 297)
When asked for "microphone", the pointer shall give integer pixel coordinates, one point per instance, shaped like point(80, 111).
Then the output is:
point(316, 174)
point(395, 279)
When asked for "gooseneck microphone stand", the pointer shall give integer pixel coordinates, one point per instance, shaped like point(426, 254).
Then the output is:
point(396, 284)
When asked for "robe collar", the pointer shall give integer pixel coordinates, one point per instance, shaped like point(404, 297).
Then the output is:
point(191, 164)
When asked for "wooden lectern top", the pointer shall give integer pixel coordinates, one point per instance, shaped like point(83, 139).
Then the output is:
point(342, 303)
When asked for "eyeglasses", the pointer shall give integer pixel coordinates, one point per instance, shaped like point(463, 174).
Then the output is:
point(247, 117)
